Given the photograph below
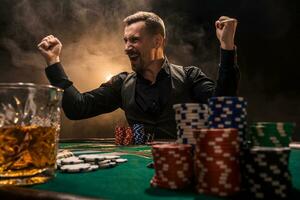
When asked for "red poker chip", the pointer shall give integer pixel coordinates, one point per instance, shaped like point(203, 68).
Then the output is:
point(216, 161)
point(119, 135)
point(173, 164)
point(128, 136)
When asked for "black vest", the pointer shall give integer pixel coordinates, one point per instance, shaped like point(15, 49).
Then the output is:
point(164, 125)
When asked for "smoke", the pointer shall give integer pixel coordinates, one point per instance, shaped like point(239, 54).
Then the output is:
point(91, 33)
point(190, 44)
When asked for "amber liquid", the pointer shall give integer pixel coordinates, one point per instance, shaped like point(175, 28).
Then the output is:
point(27, 154)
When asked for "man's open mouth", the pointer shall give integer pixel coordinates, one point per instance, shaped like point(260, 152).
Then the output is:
point(133, 56)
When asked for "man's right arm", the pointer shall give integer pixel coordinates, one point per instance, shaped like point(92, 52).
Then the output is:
point(76, 105)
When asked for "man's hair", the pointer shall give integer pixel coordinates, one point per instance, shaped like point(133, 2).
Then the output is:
point(154, 24)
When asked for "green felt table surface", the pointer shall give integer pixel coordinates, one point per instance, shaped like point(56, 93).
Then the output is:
point(130, 180)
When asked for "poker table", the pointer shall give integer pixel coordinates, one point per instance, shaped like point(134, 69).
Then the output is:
point(130, 180)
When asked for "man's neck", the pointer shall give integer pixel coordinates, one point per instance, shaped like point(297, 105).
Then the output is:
point(151, 71)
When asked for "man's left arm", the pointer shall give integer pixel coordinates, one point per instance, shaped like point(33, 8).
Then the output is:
point(229, 75)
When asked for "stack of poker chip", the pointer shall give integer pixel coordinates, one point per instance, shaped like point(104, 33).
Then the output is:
point(173, 166)
point(272, 134)
point(64, 154)
point(128, 138)
point(228, 112)
point(189, 117)
point(139, 135)
point(88, 162)
point(119, 135)
point(216, 162)
point(268, 176)
point(123, 135)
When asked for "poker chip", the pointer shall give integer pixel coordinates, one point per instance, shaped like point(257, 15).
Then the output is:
point(111, 157)
point(71, 160)
point(139, 134)
point(272, 134)
point(173, 166)
point(104, 162)
point(107, 165)
point(229, 112)
point(216, 161)
point(75, 168)
point(121, 160)
point(189, 117)
point(185, 106)
point(92, 157)
point(119, 135)
point(58, 164)
point(88, 162)
point(92, 168)
point(267, 172)
point(128, 136)
point(64, 154)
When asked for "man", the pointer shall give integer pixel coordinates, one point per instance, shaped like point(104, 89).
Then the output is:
point(148, 93)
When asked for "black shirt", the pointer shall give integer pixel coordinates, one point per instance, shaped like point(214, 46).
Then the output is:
point(151, 98)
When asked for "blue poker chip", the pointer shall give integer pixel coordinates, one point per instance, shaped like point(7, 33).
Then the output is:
point(227, 98)
point(139, 134)
point(231, 107)
point(229, 113)
point(237, 108)
point(225, 115)
point(228, 123)
point(229, 104)
point(234, 119)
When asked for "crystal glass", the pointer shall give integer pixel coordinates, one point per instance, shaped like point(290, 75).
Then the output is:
point(29, 131)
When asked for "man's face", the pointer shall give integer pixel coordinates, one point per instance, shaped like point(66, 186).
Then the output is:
point(138, 46)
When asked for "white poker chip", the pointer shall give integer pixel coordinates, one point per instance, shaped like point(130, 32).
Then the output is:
point(190, 105)
point(75, 168)
point(104, 166)
point(92, 157)
point(64, 154)
point(71, 160)
point(121, 160)
point(103, 162)
point(191, 124)
point(107, 165)
point(58, 164)
point(111, 157)
point(112, 164)
point(93, 168)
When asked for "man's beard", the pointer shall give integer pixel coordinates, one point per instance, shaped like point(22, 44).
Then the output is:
point(138, 66)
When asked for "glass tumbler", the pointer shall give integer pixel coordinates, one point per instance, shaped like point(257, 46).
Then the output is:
point(30, 119)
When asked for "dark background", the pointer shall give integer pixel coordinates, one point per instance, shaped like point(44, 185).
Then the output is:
point(91, 31)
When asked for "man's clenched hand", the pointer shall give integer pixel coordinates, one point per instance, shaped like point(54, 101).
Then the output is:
point(50, 48)
point(225, 30)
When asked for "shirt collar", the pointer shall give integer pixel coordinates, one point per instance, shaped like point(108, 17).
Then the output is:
point(165, 70)
point(166, 66)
